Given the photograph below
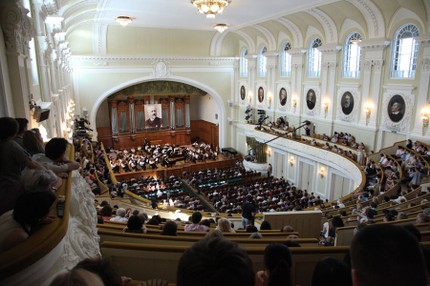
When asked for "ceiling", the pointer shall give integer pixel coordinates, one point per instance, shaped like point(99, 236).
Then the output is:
point(181, 14)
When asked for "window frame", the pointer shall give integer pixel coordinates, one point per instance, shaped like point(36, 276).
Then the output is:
point(243, 63)
point(351, 42)
point(398, 44)
point(262, 62)
point(285, 60)
point(314, 58)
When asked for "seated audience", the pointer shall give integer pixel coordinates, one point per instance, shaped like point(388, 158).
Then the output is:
point(170, 228)
point(251, 228)
point(335, 223)
point(135, 225)
point(40, 180)
point(265, 225)
point(91, 271)
point(277, 263)
point(224, 225)
point(13, 160)
point(387, 255)
point(55, 157)
point(33, 142)
point(333, 272)
point(106, 212)
point(30, 212)
point(196, 217)
point(120, 216)
point(215, 261)
point(22, 127)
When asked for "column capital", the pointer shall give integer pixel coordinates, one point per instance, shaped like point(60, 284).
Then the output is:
point(17, 27)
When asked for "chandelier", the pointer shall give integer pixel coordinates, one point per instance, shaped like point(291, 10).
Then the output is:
point(221, 27)
point(124, 20)
point(210, 7)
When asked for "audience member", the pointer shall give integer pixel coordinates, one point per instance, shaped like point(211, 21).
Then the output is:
point(224, 225)
point(277, 263)
point(106, 212)
point(13, 160)
point(33, 141)
point(257, 235)
point(196, 217)
point(22, 127)
point(40, 180)
point(120, 216)
point(30, 212)
point(215, 261)
point(135, 225)
point(55, 157)
point(265, 225)
point(287, 228)
point(251, 228)
point(91, 272)
point(331, 272)
point(170, 228)
point(387, 255)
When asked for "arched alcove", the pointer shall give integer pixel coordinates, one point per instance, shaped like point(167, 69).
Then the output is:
point(153, 89)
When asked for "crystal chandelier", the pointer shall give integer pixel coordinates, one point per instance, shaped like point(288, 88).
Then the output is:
point(210, 7)
point(124, 20)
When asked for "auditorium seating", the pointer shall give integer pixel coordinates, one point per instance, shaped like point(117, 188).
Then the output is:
point(187, 239)
point(142, 261)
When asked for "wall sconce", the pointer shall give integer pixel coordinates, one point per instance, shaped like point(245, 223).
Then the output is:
point(270, 100)
point(249, 98)
point(291, 161)
point(294, 103)
point(322, 172)
point(269, 152)
point(425, 118)
point(368, 112)
point(325, 106)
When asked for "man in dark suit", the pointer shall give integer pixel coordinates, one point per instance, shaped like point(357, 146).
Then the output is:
point(310, 99)
point(395, 111)
point(347, 104)
point(153, 121)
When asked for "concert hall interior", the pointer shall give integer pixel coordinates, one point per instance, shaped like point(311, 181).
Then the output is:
point(310, 94)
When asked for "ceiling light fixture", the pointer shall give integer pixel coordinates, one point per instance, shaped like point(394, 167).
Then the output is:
point(124, 20)
point(221, 27)
point(210, 7)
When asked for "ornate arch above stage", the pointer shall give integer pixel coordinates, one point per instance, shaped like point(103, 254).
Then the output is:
point(176, 90)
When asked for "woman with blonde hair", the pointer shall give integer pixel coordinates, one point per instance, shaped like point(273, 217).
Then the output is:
point(224, 225)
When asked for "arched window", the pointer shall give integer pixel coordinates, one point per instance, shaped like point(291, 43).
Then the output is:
point(243, 63)
point(314, 58)
point(352, 56)
point(404, 52)
point(285, 60)
point(262, 62)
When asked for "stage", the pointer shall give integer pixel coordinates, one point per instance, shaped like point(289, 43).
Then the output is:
point(180, 167)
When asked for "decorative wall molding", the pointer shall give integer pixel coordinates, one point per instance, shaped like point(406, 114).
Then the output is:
point(17, 28)
point(355, 91)
point(327, 23)
point(373, 16)
point(403, 126)
point(375, 64)
point(426, 64)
